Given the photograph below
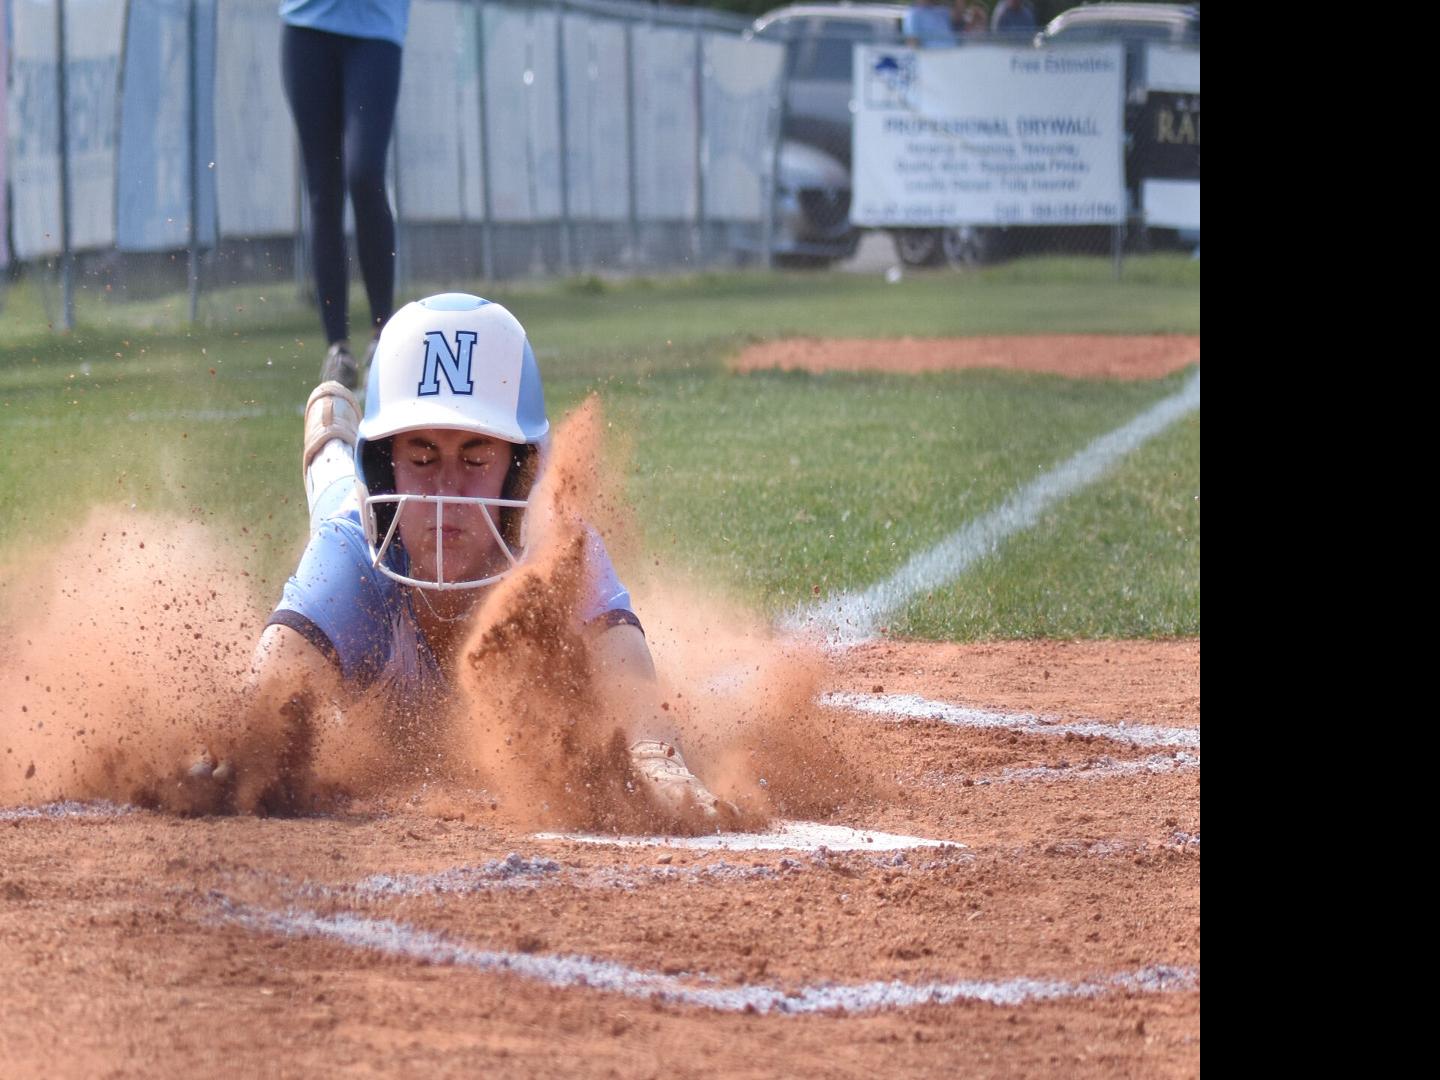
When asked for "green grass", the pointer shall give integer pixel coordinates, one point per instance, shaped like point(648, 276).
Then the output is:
point(766, 484)
point(1121, 559)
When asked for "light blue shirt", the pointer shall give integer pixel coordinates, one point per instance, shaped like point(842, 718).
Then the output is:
point(385, 20)
point(928, 25)
point(363, 621)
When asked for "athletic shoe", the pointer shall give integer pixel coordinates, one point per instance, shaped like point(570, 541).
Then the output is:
point(364, 372)
point(339, 366)
point(331, 413)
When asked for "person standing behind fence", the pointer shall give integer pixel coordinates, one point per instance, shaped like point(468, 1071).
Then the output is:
point(340, 61)
point(968, 20)
point(1012, 16)
point(926, 24)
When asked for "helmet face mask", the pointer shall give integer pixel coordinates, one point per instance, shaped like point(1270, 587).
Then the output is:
point(380, 544)
point(452, 362)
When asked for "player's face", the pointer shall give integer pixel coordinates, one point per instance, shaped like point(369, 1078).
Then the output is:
point(439, 462)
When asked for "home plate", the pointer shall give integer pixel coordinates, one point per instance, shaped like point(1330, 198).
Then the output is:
point(785, 836)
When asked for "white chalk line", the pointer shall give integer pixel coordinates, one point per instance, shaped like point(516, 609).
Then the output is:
point(1100, 769)
point(517, 872)
point(571, 971)
point(784, 836)
point(154, 416)
point(852, 618)
point(68, 809)
point(915, 707)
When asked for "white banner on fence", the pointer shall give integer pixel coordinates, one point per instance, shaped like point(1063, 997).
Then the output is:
point(1169, 68)
point(427, 138)
point(522, 113)
point(426, 135)
point(1171, 204)
point(1174, 204)
point(4, 137)
point(467, 115)
point(152, 196)
point(34, 130)
point(597, 131)
point(665, 123)
point(255, 161)
point(988, 135)
point(93, 33)
point(742, 84)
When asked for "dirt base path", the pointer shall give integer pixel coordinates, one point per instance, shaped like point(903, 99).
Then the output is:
point(392, 940)
point(1081, 356)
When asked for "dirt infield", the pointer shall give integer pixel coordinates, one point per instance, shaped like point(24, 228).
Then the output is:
point(421, 934)
point(1081, 356)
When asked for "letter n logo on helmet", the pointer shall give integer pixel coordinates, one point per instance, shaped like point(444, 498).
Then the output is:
point(455, 364)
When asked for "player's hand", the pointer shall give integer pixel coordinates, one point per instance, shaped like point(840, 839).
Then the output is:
point(658, 769)
point(205, 786)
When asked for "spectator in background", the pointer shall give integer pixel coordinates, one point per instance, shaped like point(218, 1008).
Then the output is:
point(969, 20)
point(1012, 16)
point(340, 61)
point(926, 25)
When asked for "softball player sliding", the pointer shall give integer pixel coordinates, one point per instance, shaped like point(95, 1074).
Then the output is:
point(416, 508)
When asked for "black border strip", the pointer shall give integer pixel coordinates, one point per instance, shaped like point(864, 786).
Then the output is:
point(308, 630)
point(617, 617)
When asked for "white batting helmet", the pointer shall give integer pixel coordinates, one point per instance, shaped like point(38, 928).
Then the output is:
point(457, 362)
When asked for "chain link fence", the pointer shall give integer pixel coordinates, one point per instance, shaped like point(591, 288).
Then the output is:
point(551, 137)
point(536, 138)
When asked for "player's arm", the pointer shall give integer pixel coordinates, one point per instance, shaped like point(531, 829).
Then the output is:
point(631, 694)
point(261, 760)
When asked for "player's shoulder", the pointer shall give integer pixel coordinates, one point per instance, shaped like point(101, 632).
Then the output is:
point(338, 558)
point(343, 533)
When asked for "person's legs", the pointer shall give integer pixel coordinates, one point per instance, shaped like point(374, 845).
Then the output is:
point(372, 87)
point(311, 63)
point(327, 455)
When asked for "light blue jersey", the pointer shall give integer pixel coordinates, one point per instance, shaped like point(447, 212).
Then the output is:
point(385, 20)
point(929, 25)
point(364, 621)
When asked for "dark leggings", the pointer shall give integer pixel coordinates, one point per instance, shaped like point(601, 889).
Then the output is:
point(342, 92)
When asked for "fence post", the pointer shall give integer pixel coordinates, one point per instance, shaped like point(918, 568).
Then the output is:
point(67, 258)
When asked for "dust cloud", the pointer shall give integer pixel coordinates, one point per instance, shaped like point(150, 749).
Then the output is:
point(131, 649)
point(549, 735)
point(129, 644)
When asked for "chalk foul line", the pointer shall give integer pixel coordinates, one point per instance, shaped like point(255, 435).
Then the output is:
point(914, 707)
point(568, 971)
point(852, 618)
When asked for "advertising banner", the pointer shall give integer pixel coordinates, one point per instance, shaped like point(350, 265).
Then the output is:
point(1166, 144)
point(988, 135)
